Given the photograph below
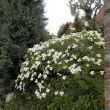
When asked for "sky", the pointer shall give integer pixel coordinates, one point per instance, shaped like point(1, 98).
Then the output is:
point(57, 12)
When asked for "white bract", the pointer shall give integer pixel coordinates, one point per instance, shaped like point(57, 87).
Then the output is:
point(92, 73)
point(56, 93)
point(64, 77)
point(61, 93)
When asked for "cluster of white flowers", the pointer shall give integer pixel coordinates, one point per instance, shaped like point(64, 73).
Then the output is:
point(73, 69)
point(70, 53)
point(61, 93)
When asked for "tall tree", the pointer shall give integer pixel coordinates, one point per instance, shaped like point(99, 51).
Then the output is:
point(90, 8)
point(107, 54)
point(22, 24)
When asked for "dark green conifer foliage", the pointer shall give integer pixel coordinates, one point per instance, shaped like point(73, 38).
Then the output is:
point(22, 24)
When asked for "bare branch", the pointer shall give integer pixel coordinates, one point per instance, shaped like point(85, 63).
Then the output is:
point(97, 5)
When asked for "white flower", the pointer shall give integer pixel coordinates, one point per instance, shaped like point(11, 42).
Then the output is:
point(60, 63)
point(49, 54)
point(71, 59)
point(79, 60)
point(98, 55)
point(37, 93)
point(51, 50)
point(78, 68)
point(34, 73)
point(62, 43)
point(64, 77)
point(92, 59)
point(40, 75)
point(74, 46)
point(27, 74)
point(87, 65)
point(43, 56)
point(20, 86)
point(37, 63)
point(99, 60)
point(48, 62)
point(44, 76)
point(68, 47)
point(86, 58)
point(33, 66)
point(92, 73)
point(74, 56)
point(36, 81)
point(43, 94)
point(47, 90)
point(90, 47)
point(26, 63)
point(73, 69)
point(68, 54)
point(63, 55)
point(66, 51)
point(56, 93)
point(102, 72)
point(51, 68)
point(86, 23)
point(58, 74)
point(61, 93)
point(60, 53)
point(40, 86)
point(64, 67)
point(46, 71)
point(66, 61)
point(73, 29)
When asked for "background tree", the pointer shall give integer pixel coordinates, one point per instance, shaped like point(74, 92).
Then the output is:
point(22, 24)
point(70, 27)
point(64, 28)
point(89, 7)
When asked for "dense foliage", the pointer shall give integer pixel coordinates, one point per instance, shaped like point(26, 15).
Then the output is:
point(64, 73)
point(21, 26)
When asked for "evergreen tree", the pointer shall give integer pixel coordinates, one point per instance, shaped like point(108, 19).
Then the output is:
point(22, 24)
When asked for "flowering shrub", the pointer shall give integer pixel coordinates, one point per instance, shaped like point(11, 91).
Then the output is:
point(59, 67)
point(77, 54)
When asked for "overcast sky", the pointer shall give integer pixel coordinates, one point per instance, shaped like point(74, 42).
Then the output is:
point(57, 13)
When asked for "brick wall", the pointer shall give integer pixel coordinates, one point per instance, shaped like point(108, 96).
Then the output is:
point(107, 53)
point(100, 15)
point(100, 18)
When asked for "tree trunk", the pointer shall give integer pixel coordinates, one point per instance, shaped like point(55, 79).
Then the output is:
point(107, 53)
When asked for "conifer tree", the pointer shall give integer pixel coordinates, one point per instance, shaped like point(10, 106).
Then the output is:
point(22, 24)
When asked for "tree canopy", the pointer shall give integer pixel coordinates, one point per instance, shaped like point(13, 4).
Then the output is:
point(89, 7)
